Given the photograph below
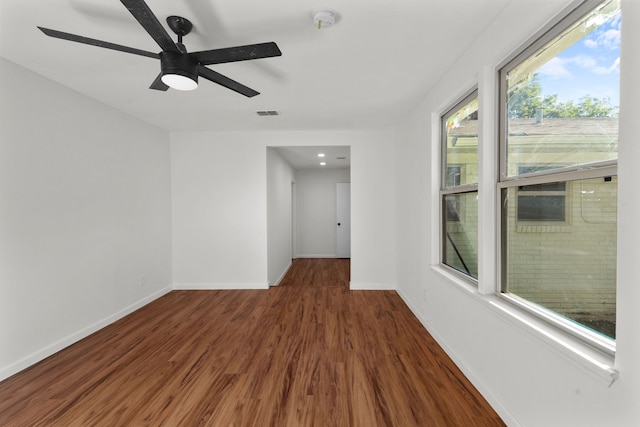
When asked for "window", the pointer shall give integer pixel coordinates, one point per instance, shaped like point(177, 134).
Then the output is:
point(459, 190)
point(541, 203)
point(558, 167)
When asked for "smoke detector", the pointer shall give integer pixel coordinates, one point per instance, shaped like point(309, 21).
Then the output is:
point(324, 18)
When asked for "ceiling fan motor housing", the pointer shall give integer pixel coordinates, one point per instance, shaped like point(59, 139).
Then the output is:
point(179, 63)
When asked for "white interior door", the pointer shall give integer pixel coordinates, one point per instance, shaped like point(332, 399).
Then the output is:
point(343, 217)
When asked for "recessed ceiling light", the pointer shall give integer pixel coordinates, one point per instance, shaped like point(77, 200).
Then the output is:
point(323, 163)
point(320, 154)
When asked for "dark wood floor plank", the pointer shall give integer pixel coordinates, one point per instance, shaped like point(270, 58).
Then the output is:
point(309, 352)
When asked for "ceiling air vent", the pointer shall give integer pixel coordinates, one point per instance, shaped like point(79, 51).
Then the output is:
point(268, 113)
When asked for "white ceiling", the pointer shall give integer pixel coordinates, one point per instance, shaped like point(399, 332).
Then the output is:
point(305, 158)
point(366, 72)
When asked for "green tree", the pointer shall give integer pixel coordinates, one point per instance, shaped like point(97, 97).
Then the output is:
point(595, 107)
point(525, 100)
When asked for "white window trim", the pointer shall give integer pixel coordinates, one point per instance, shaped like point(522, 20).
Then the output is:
point(487, 175)
point(593, 361)
point(459, 189)
point(572, 173)
point(596, 363)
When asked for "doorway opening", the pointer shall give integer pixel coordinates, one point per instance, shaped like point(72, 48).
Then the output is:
point(308, 205)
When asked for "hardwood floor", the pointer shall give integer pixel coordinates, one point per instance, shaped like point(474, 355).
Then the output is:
point(306, 353)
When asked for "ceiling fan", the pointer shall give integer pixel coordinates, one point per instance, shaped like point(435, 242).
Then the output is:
point(179, 68)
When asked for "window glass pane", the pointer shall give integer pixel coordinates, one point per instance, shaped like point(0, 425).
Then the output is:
point(551, 186)
point(452, 207)
point(562, 101)
point(461, 155)
point(541, 202)
point(460, 240)
point(453, 176)
point(569, 268)
point(541, 208)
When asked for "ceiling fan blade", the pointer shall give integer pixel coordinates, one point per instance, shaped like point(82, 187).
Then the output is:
point(238, 53)
point(150, 23)
point(99, 43)
point(226, 82)
point(158, 84)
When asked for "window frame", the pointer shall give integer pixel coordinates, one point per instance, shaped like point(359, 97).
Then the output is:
point(449, 190)
point(567, 174)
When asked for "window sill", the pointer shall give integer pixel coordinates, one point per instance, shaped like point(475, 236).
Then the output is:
point(596, 363)
point(465, 282)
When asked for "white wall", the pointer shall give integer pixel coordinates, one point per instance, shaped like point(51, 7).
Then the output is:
point(373, 212)
point(280, 176)
point(84, 213)
point(220, 205)
point(316, 211)
point(529, 376)
point(219, 194)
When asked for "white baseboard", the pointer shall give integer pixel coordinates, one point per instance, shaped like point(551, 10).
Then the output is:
point(43, 353)
point(317, 256)
point(284, 273)
point(368, 286)
point(218, 286)
point(495, 403)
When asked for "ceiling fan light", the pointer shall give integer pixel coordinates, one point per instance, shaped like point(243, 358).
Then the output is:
point(179, 82)
point(179, 71)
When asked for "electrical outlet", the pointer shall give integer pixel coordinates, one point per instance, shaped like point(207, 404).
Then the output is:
point(142, 281)
point(424, 295)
